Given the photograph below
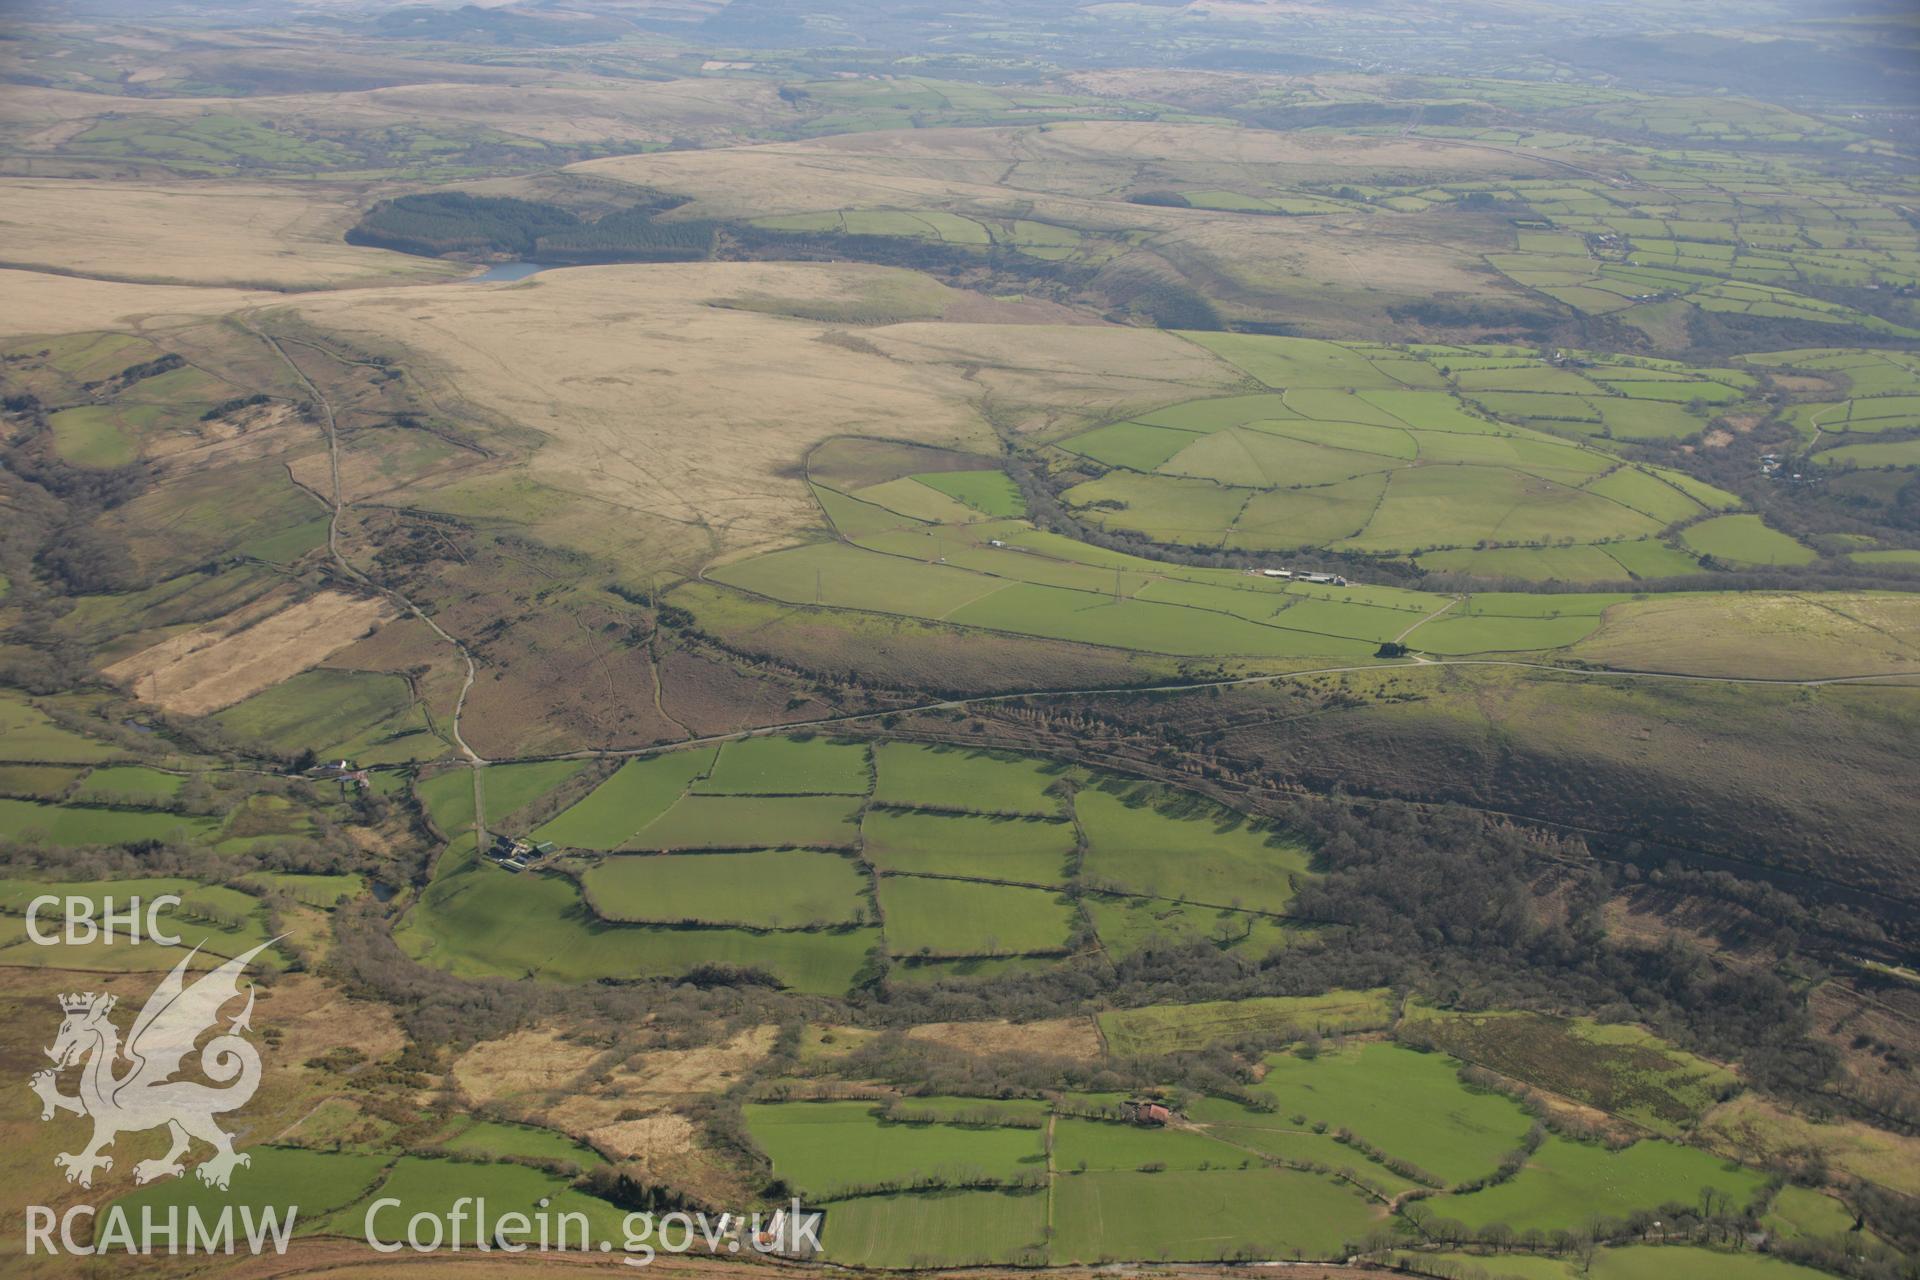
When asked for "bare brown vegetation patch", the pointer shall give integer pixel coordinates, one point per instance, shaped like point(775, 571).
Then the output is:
point(219, 664)
point(1073, 1038)
point(524, 1062)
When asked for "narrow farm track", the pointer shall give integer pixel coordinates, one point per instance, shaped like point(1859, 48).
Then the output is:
point(335, 507)
point(1451, 601)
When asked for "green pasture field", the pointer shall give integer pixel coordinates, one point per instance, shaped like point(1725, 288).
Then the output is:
point(72, 360)
point(992, 492)
point(1201, 854)
point(91, 436)
point(315, 890)
point(209, 143)
point(826, 1149)
point(1646, 493)
point(478, 920)
point(1522, 604)
point(1175, 509)
point(317, 1183)
point(1572, 1183)
point(638, 792)
point(1805, 1213)
point(851, 578)
point(1453, 634)
point(1714, 499)
point(261, 820)
point(1434, 412)
point(1134, 445)
point(1622, 1070)
point(1390, 442)
point(1647, 419)
point(926, 1229)
point(934, 917)
point(18, 951)
point(1293, 362)
point(492, 1138)
point(288, 545)
point(1142, 625)
point(1124, 925)
point(1070, 597)
point(769, 889)
point(1634, 1262)
point(221, 921)
point(1411, 1105)
point(203, 516)
point(1216, 412)
point(1745, 539)
point(1151, 607)
point(100, 618)
point(754, 822)
point(77, 825)
point(1321, 466)
point(365, 717)
point(1171, 1028)
point(429, 1185)
point(908, 497)
point(1026, 850)
point(1279, 1138)
point(1903, 556)
point(1534, 564)
point(1538, 406)
point(30, 736)
point(858, 519)
point(130, 784)
point(1248, 455)
point(1456, 505)
point(914, 775)
point(1288, 518)
point(1675, 391)
point(1183, 1215)
point(508, 788)
point(1345, 613)
point(1648, 558)
point(1509, 1266)
point(1343, 408)
point(1856, 417)
point(958, 1108)
point(1890, 453)
point(1527, 455)
point(37, 781)
point(777, 766)
point(1081, 1146)
point(1539, 378)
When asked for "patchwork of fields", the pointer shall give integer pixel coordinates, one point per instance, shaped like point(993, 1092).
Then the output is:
point(1731, 233)
point(1282, 639)
point(1313, 1161)
point(1486, 459)
point(985, 570)
point(822, 863)
point(65, 788)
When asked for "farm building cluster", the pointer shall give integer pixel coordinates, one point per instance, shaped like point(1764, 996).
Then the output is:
point(516, 853)
point(1294, 575)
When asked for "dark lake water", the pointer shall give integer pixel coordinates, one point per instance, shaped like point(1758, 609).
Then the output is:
point(507, 271)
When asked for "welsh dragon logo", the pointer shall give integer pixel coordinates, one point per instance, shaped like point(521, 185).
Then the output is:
point(145, 1095)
